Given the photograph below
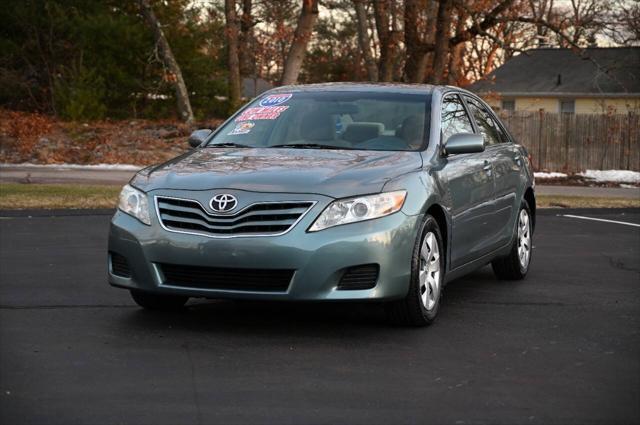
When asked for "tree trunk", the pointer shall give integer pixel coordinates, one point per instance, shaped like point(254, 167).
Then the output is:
point(232, 54)
point(416, 61)
point(364, 41)
point(385, 67)
point(491, 56)
point(432, 21)
point(247, 42)
point(397, 63)
point(456, 73)
point(304, 29)
point(443, 33)
point(182, 95)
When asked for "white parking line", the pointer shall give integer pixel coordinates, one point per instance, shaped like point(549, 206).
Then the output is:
point(600, 219)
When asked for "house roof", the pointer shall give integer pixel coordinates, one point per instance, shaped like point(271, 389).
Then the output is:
point(612, 71)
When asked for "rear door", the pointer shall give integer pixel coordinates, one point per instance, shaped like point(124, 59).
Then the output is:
point(470, 185)
point(506, 168)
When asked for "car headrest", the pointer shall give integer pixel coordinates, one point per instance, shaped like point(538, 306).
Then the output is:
point(412, 129)
point(357, 132)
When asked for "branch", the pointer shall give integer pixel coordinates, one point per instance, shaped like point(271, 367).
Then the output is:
point(489, 21)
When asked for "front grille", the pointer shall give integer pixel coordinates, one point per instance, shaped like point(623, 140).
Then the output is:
point(119, 265)
point(268, 218)
point(264, 280)
point(359, 277)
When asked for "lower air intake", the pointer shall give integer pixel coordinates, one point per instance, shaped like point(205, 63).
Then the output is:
point(359, 277)
point(262, 280)
point(119, 265)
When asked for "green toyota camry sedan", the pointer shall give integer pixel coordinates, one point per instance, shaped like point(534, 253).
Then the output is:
point(330, 192)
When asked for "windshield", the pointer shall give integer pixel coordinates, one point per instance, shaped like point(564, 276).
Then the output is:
point(330, 120)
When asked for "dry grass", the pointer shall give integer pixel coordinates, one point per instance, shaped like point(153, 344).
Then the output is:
point(50, 196)
point(553, 201)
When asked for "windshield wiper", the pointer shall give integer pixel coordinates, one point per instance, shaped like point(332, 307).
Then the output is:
point(308, 146)
point(228, 145)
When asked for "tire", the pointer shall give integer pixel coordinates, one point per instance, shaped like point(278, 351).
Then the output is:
point(422, 302)
point(516, 265)
point(159, 302)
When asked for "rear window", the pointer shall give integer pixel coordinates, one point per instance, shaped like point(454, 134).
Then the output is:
point(338, 120)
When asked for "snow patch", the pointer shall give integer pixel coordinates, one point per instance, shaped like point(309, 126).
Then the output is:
point(118, 167)
point(542, 175)
point(619, 176)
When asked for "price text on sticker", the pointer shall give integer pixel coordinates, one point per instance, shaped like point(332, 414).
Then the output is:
point(262, 113)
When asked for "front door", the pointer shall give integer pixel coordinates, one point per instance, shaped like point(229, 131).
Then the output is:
point(470, 183)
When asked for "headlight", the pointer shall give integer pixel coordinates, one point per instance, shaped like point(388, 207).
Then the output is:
point(135, 203)
point(362, 208)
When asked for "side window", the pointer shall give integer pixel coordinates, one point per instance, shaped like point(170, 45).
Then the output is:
point(454, 117)
point(509, 105)
point(487, 125)
point(568, 106)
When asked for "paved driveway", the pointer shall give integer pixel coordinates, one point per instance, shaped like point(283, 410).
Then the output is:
point(561, 347)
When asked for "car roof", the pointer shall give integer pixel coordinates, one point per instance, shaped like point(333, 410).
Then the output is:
point(359, 87)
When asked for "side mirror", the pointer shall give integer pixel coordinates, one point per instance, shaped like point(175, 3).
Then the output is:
point(464, 143)
point(198, 136)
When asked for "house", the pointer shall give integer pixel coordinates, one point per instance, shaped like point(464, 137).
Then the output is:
point(252, 87)
point(594, 80)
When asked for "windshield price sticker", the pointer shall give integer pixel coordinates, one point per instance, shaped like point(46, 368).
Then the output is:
point(242, 128)
point(262, 113)
point(275, 99)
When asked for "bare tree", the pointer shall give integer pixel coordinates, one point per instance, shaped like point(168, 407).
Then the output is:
point(247, 49)
point(304, 29)
point(182, 95)
point(232, 53)
point(441, 46)
point(419, 32)
point(364, 40)
point(415, 62)
point(456, 59)
point(387, 39)
point(623, 23)
point(586, 20)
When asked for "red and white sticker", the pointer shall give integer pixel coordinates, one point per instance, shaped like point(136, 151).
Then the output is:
point(242, 128)
point(262, 113)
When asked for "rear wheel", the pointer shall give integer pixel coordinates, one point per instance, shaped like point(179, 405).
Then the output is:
point(158, 301)
point(420, 306)
point(516, 265)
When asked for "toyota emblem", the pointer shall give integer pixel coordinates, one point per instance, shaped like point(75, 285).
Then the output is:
point(223, 202)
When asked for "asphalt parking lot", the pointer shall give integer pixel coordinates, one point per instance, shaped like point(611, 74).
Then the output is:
point(562, 346)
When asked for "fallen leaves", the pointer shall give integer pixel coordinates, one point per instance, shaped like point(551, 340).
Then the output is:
point(40, 139)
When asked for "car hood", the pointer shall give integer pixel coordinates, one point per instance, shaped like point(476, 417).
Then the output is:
point(335, 173)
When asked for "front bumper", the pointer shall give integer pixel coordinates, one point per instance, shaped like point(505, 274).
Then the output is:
point(318, 258)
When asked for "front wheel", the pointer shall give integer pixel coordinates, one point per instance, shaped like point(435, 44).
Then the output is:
point(420, 306)
point(516, 265)
point(158, 301)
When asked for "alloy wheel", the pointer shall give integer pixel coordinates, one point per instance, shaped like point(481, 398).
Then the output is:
point(524, 239)
point(429, 271)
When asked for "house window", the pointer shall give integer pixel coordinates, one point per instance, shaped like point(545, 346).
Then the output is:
point(509, 105)
point(568, 106)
